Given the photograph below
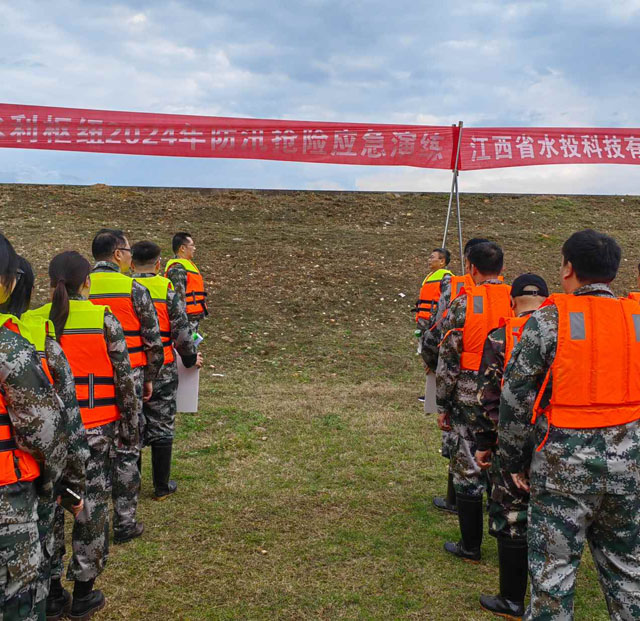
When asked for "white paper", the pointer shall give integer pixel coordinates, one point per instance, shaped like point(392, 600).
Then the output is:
point(430, 395)
point(188, 386)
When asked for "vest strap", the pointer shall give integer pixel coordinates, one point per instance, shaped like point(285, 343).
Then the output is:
point(96, 403)
point(8, 445)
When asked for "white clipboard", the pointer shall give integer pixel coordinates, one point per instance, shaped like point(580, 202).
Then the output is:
point(188, 387)
point(430, 406)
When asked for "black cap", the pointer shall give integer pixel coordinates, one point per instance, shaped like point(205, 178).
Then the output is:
point(529, 280)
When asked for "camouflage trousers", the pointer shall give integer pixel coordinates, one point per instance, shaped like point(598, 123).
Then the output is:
point(90, 534)
point(559, 524)
point(160, 411)
point(46, 520)
point(20, 556)
point(125, 474)
point(508, 506)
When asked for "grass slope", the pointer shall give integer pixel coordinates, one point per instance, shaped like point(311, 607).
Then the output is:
point(306, 478)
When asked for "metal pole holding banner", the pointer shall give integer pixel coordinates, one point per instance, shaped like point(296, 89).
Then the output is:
point(454, 189)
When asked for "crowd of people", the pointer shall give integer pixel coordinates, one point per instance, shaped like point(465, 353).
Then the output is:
point(86, 381)
point(538, 400)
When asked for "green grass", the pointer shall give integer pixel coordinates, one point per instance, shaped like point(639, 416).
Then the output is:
point(306, 478)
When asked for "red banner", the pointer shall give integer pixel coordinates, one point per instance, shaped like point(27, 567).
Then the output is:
point(138, 133)
point(499, 147)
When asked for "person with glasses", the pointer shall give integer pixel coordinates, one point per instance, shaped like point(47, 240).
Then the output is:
point(187, 279)
point(132, 305)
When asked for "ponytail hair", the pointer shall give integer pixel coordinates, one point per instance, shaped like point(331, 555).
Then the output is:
point(20, 298)
point(67, 273)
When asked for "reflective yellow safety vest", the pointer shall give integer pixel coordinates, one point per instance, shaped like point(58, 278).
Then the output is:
point(158, 287)
point(429, 294)
point(195, 298)
point(113, 289)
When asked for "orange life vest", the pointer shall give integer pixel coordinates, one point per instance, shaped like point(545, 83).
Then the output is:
point(595, 376)
point(85, 347)
point(113, 289)
point(429, 295)
point(159, 287)
point(195, 294)
point(513, 331)
point(634, 295)
point(486, 305)
point(15, 464)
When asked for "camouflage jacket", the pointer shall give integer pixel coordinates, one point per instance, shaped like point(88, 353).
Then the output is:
point(485, 415)
point(73, 475)
point(149, 329)
point(431, 337)
point(181, 334)
point(579, 461)
point(449, 377)
point(35, 413)
point(126, 397)
point(178, 276)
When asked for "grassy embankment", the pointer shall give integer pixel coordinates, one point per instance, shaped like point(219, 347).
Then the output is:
point(306, 478)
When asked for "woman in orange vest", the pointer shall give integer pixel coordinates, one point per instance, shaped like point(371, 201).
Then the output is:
point(70, 485)
point(95, 346)
point(29, 416)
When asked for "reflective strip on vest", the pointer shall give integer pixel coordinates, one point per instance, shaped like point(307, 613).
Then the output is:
point(486, 305)
point(595, 376)
point(195, 294)
point(113, 289)
point(16, 465)
point(85, 346)
point(158, 287)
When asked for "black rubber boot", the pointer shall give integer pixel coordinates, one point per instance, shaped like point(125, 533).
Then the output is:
point(512, 556)
point(471, 528)
point(449, 502)
point(128, 536)
point(86, 601)
point(161, 465)
point(58, 601)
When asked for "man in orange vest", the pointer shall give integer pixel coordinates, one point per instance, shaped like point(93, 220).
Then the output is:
point(187, 279)
point(470, 318)
point(160, 411)
point(508, 508)
point(131, 303)
point(450, 288)
point(430, 289)
point(578, 364)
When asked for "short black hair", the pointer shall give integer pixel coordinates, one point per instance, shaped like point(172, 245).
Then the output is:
point(106, 242)
point(474, 241)
point(487, 257)
point(444, 253)
point(595, 256)
point(145, 252)
point(179, 239)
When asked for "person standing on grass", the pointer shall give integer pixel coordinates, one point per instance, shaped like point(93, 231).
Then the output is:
point(160, 411)
point(96, 348)
point(70, 484)
point(508, 506)
point(450, 288)
point(470, 318)
point(187, 279)
point(573, 384)
point(30, 454)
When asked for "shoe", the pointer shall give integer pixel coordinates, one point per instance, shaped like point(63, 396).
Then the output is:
point(161, 469)
point(441, 503)
point(58, 605)
point(85, 607)
point(421, 399)
point(458, 549)
point(502, 607)
point(132, 534)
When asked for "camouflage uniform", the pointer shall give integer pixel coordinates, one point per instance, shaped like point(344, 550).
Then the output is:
point(126, 473)
point(90, 541)
point(457, 396)
point(429, 347)
point(178, 276)
point(34, 410)
point(73, 437)
point(508, 508)
point(160, 411)
point(584, 485)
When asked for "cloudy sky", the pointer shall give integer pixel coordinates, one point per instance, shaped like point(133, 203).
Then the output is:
point(492, 63)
